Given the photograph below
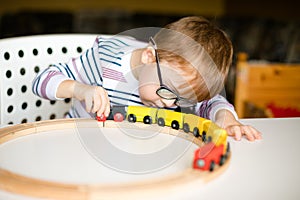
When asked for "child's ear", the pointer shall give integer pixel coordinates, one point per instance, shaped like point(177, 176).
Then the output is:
point(148, 55)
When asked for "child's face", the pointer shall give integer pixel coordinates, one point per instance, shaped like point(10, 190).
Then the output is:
point(149, 83)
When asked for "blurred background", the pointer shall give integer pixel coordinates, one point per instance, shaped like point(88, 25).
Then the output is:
point(264, 30)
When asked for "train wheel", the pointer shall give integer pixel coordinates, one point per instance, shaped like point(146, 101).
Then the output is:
point(228, 148)
point(161, 122)
point(196, 132)
point(204, 136)
point(212, 166)
point(147, 120)
point(118, 117)
point(175, 125)
point(186, 127)
point(209, 139)
point(131, 118)
point(222, 159)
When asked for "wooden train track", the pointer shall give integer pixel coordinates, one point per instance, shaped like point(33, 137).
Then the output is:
point(146, 189)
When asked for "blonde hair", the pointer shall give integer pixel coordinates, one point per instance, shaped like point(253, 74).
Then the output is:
point(200, 50)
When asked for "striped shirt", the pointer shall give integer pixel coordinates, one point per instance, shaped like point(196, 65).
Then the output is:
point(107, 64)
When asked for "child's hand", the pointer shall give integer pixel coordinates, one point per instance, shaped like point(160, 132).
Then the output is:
point(95, 98)
point(238, 131)
point(234, 128)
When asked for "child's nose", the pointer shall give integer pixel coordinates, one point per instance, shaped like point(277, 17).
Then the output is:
point(168, 103)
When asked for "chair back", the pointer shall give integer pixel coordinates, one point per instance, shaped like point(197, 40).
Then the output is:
point(21, 58)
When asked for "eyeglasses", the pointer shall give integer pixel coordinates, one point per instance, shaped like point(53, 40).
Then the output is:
point(163, 91)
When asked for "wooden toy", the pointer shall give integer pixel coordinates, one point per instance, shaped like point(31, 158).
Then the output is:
point(101, 118)
point(208, 156)
point(200, 127)
point(210, 159)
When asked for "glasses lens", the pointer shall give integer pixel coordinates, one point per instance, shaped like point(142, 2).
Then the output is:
point(184, 103)
point(166, 93)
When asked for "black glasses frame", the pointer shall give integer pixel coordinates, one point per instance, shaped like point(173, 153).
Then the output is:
point(162, 87)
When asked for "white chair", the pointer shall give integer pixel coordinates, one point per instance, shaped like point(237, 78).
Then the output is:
point(20, 60)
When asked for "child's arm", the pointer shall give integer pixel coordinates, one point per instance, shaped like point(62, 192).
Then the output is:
point(75, 79)
point(225, 119)
point(95, 97)
point(220, 111)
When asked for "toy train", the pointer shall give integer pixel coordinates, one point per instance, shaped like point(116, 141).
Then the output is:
point(215, 149)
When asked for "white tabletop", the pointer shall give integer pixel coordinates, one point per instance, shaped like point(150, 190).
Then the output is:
point(265, 169)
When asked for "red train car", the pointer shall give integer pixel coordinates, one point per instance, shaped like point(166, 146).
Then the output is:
point(208, 156)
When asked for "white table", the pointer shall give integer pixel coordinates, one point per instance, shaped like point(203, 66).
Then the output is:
point(266, 169)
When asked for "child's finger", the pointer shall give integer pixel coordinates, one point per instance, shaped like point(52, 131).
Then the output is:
point(234, 131)
point(100, 109)
point(256, 134)
point(107, 104)
point(107, 109)
point(104, 102)
point(88, 104)
point(99, 97)
point(248, 133)
point(97, 104)
point(237, 133)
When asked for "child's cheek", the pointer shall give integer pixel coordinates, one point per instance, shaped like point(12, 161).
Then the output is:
point(148, 93)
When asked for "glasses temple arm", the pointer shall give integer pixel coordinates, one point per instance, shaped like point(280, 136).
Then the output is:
point(153, 44)
point(158, 68)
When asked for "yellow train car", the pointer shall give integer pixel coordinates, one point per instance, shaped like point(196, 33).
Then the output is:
point(215, 134)
point(193, 123)
point(220, 138)
point(143, 114)
point(170, 118)
point(200, 127)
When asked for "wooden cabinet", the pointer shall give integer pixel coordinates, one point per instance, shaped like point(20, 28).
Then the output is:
point(263, 83)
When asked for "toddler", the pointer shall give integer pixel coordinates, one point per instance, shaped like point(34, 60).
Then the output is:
point(185, 64)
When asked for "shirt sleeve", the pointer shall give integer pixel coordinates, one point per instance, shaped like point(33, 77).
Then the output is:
point(208, 108)
point(46, 83)
point(84, 68)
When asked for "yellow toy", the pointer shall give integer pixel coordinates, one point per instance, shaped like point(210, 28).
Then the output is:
point(170, 118)
point(193, 123)
point(141, 114)
point(215, 149)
